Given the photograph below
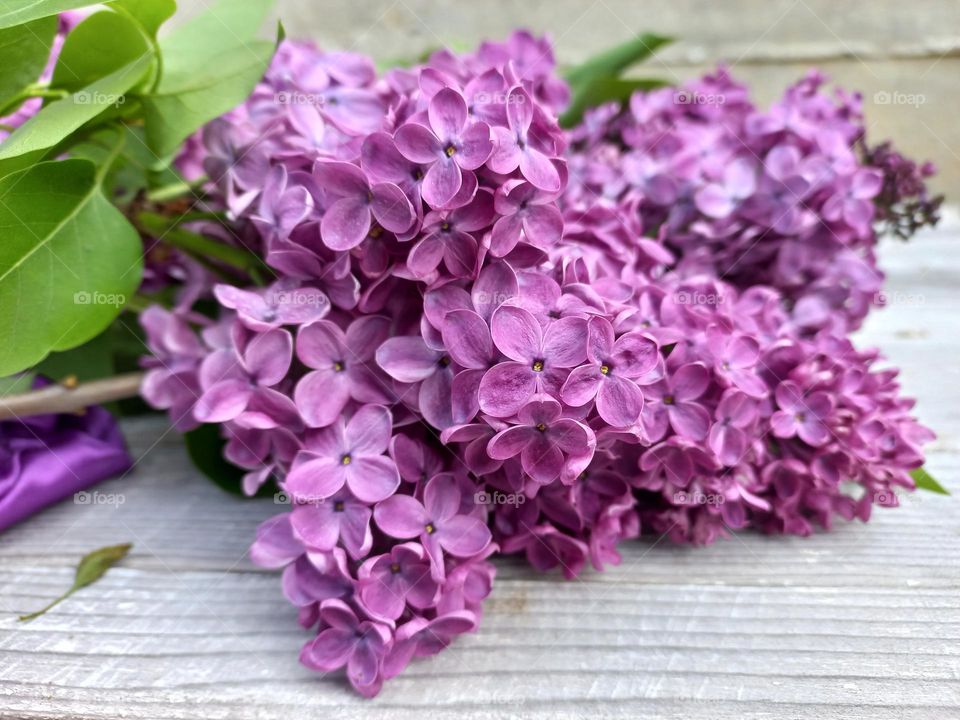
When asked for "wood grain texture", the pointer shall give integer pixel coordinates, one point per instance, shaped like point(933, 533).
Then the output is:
point(863, 622)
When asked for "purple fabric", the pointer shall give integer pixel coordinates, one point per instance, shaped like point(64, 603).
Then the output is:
point(47, 458)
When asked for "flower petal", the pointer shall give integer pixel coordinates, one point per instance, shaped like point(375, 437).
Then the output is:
point(372, 478)
point(400, 516)
point(516, 333)
point(407, 358)
point(506, 388)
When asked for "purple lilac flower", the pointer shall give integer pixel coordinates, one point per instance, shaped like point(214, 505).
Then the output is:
point(614, 365)
point(673, 400)
point(346, 222)
point(347, 640)
point(803, 416)
point(449, 144)
point(543, 439)
point(339, 518)
point(538, 359)
point(435, 522)
point(241, 388)
point(485, 304)
point(342, 365)
point(347, 453)
point(525, 212)
point(525, 143)
point(388, 582)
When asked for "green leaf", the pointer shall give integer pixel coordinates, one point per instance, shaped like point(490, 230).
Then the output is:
point(151, 14)
point(205, 448)
point(68, 261)
point(92, 567)
point(926, 481)
point(60, 119)
point(24, 52)
point(18, 12)
point(604, 90)
point(100, 45)
point(211, 64)
point(222, 27)
point(612, 62)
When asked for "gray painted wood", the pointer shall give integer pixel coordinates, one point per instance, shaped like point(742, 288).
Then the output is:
point(863, 622)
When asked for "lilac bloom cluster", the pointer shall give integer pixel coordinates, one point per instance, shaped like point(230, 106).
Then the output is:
point(461, 353)
point(788, 197)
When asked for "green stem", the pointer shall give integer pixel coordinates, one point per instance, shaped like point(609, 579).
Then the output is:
point(114, 153)
point(176, 190)
point(197, 245)
point(150, 40)
point(31, 91)
point(38, 613)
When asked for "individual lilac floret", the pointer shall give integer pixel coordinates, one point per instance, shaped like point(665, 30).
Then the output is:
point(360, 645)
point(339, 518)
point(447, 237)
point(281, 305)
point(449, 145)
point(388, 582)
point(342, 365)
point(800, 415)
point(544, 440)
point(735, 414)
point(242, 388)
point(539, 359)
point(348, 453)
point(673, 400)
point(614, 366)
point(525, 144)
point(525, 212)
point(347, 221)
point(437, 522)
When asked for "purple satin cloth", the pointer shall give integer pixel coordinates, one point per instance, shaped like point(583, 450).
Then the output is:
point(47, 458)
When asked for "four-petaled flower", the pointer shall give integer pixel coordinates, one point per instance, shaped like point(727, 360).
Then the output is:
point(436, 521)
point(347, 453)
point(538, 359)
point(614, 365)
point(450, 145)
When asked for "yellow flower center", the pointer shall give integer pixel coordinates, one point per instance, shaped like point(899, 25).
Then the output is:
point(346, 460)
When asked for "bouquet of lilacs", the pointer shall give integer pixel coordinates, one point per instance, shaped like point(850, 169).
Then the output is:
point(439, 317)
point(471, 345)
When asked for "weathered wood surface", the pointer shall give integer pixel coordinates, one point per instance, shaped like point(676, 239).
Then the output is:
point(863, 622)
